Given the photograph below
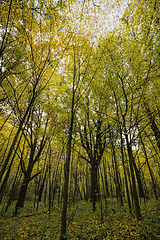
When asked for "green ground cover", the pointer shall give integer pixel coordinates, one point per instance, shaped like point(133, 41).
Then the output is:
point(115, 223)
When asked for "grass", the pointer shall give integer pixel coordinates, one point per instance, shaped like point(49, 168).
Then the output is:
point(83, 223)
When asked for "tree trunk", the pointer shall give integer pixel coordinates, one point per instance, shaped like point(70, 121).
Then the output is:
point(154, 127)
point(150, 170)
point(115, 168)
point(16, 137)
point(106, 181)
point(22, 193)
point(68, 158)
point(4, 184)
point(135, 195)
point(24, 186)
point(42, 187)
point(124, 169)
point(138, 176)
point(14, 186)
point(110, 181)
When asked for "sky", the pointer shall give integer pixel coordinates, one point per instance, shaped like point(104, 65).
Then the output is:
point(97, 17)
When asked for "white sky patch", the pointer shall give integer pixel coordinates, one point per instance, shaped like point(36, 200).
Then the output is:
point(96, 18)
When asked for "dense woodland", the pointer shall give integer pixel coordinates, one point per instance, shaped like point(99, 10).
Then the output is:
point(79, 121)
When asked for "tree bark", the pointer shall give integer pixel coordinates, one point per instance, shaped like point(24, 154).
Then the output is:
point(154, 127)
point(68, 158)
point(135, 195)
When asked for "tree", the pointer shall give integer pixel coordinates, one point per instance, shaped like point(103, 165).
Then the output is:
point(80, 65)
point(41, 55)
point(69, 144)
point(36, 143)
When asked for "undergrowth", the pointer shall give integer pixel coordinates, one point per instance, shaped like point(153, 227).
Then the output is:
point(115, 223)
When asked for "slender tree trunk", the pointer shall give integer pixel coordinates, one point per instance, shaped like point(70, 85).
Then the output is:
point(93, 196)
point(45, 192)
point(87, 180)
point(126, 183)
point(106, 180)
point(16, 137)
point(154, 126)
point(14, 185)
point(49, 207)
point(150, 170)
point(115, 167)
point(42, 187)
point(4, 184)
point(110, 180)
point(139, 181)
point(37, 186)
point(59, 190)
point(135, 195)
point(65, 190)
point(124, 169)
point(68, 158)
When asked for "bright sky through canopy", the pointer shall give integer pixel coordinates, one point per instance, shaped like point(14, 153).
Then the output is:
point(96, 18)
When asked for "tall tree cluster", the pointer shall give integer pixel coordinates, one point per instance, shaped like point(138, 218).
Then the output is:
point(78, 119)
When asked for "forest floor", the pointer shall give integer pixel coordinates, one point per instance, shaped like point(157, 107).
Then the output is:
point(115, 222)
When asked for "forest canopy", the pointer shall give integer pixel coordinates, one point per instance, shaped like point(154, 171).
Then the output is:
point(79, 104)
